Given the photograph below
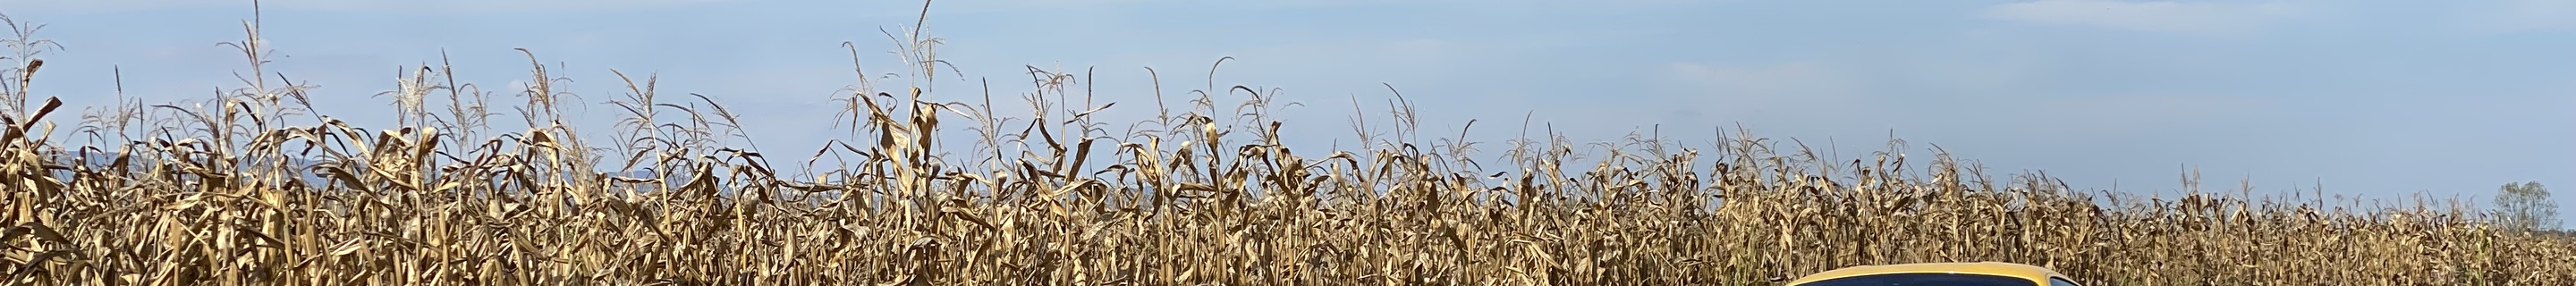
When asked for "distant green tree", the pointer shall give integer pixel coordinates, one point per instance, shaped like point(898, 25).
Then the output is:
point(2525, 206)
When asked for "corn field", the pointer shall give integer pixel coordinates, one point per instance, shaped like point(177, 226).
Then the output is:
point(257, 187)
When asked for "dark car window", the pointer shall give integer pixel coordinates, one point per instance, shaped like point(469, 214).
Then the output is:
point(2060, 282)
point(1924, 279)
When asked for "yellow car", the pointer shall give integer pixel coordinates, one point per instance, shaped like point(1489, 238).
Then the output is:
point(1938, 274)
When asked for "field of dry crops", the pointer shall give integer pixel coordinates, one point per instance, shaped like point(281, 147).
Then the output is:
point(256, 188)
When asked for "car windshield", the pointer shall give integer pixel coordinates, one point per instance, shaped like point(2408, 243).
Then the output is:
point(1924, 279)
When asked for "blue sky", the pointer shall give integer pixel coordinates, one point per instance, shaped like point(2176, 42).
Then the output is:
point(2368, 97)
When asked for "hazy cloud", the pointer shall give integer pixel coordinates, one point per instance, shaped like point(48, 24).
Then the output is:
point(1778, 84)
point(2524, 15)
point(1801, 89)
point(2206, 18)
point(2143, 110)
point(349, 5)
point(1784, 95)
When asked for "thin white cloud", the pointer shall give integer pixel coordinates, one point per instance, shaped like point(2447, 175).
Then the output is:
point(1790, 83)
point(2186, 17)
point(2143, 110)
point(2523, 16)
point(348, 5)
point(1793, 94)
point(1784, 95)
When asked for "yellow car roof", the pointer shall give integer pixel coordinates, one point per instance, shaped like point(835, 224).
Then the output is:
point(2036, 274)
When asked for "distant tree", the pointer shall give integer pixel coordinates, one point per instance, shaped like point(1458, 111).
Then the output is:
point(2525, 206)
